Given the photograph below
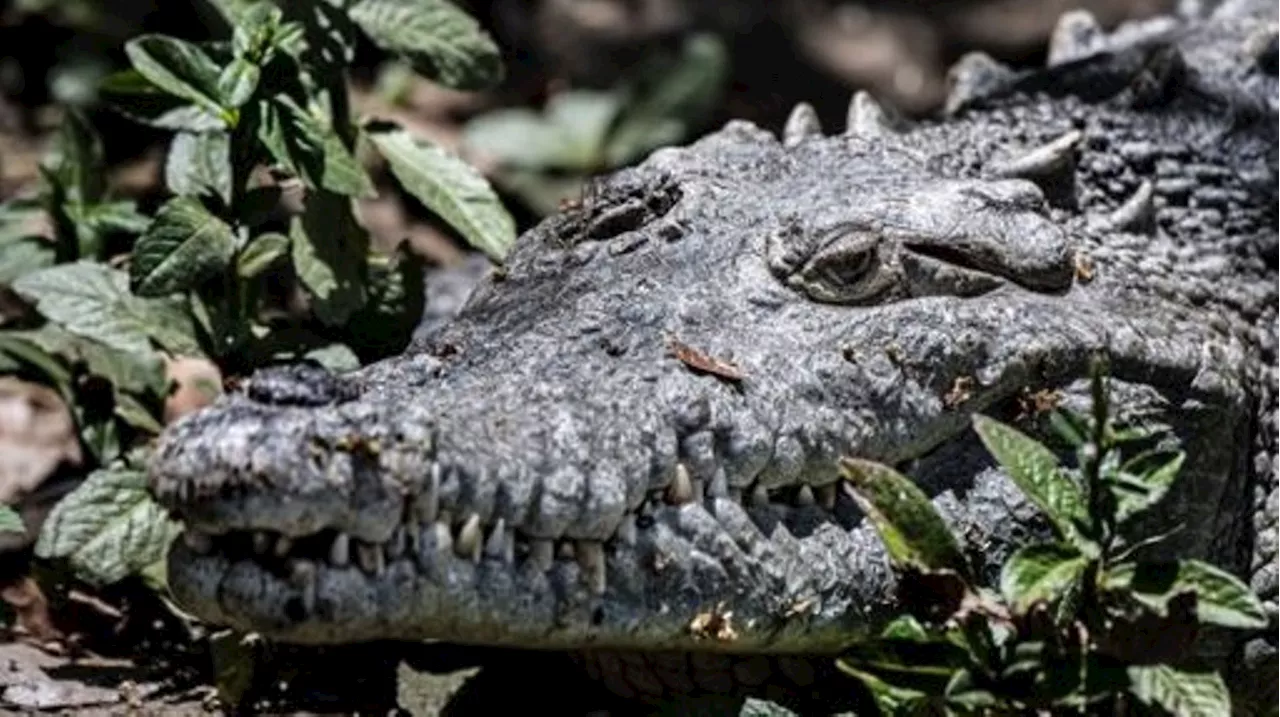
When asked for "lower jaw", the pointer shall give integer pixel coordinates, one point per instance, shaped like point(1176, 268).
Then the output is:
point(427, 594)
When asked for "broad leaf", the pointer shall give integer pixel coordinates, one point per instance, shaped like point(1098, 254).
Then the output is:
point(1144, 480)
point(199, 163)
point(19, 355)
point(23, 256)
point(137, 98)
point(238, 81)
point(93, 300)
point(180, 68)
point(137, 373)
point(1036, 472)
point(338, 358)
point(1186, 694)
point(183, 246)
point(437, 37)
point(1221, 598)
point(570, 134)
point(261, 254)
point(1040, 573)
point(913, 532)
point(108, 528)
point(396, 300)
point(308, 147)
point(328, 249)
point(680, 98)
point(10, 521)
point(122, 216)
point(76, 159)
point(447, 186)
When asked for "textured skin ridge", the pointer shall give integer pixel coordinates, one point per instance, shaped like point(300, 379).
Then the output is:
point(625, 441)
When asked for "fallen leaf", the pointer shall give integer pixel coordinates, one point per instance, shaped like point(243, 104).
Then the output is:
point(700, 361)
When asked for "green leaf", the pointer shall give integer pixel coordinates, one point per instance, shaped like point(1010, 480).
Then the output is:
point(338, 358)
point(183, 246)
point(755, 707)
point(180, 68)
point(447, 186)
point(18, 353)
point(133, 412)
point(93, 300)
point(1041, 573)
point(890, 699)
point(386, 323)
point(1179, 692)
point(913, 532)
point(238, 81)
point(261, 254)
point(569, 136)
point(108, 528)
point(1144, 480)
point(681, 98)
point(437, 37)
point(76, 159)
point(199, 163)
point(328, 251)
point(308, 147)
point(10, 521)
point(141, 374)
point(137, 98)
point(1221, 598)
point(235, 12)
point(23, 256)
point(111, 217)
point(1035, 470)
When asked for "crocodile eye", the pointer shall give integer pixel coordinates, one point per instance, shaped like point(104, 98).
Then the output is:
point(847, 268)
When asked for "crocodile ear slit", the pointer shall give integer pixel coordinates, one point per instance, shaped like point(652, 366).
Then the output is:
point(802, 124)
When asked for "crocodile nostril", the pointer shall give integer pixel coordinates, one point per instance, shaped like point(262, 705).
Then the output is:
point(301, 384)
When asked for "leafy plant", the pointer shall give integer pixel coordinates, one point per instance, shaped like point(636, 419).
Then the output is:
point(264, 168)
point(1080, 624)
point(546, 157)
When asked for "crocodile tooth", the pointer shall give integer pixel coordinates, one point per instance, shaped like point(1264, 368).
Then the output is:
point(827, 495)
point(974, 76)
point(444, 539)
point(467, 546)
point(565, 550)
point(261, 542)
point(866, 118)
point(591, 560)
point(1138, 213)
point(804, 497)
point(802, 123)
point(495, 545)
point(283, 546)
point(302, 575)
point(1051, 166)
point(199, 542)
point(340, 550)
point(1076, 36)
point(394, 547)
point(542, 553)
point(369, 556)
point(627, 530)
point(681, 489)
point(428, 503)
point(759, 496)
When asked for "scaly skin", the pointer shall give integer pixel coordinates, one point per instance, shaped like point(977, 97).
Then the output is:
point(545, 472)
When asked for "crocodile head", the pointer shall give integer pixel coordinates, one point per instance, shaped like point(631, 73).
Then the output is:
point(629, 438)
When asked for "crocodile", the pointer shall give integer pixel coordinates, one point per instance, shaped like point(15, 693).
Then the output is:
point(625, 445)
